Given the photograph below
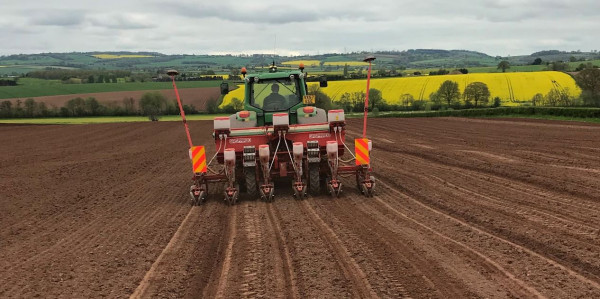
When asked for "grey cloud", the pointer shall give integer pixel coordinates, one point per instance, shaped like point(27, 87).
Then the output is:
point(278, 13)
point(274, 15)
point(52, 17)
point(123, 21)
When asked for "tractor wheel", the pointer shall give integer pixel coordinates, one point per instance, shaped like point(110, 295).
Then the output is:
point(251, 184)
point(314, 179)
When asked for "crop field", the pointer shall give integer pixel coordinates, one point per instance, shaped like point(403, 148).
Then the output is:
point(513, 68)
point(112, 56)
point(510, 87)
point(30, 87)
point(307, 63)
point(464, 208)
point(349, 63)
point(103, 119)
point(316, 63)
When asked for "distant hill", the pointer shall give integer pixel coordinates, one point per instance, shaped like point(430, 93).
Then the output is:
point(152, 61)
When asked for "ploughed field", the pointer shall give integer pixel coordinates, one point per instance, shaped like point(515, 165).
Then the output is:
point(464, 208)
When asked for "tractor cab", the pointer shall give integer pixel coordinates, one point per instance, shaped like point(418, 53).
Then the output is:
point(276, 92)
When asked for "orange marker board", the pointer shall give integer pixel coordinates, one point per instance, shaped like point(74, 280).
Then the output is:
point(361, 146)
point(199, 159)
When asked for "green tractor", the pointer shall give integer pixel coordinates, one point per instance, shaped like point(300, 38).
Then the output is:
point(281, 134)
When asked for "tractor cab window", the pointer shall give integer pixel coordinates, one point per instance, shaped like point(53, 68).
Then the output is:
point(275, 94)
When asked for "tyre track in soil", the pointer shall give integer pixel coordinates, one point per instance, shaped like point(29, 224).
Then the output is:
point(102, 233)
point(257, 261)
point(284, 252)
point(185, 264)
point(416, 186)
point(532, 267)
point(519, 204)
point(449, 264)
point(143, 287)
point(352, 271)
point(507, 143)
point(102, 186)
point(576, 248)
point(487, 277)
point(347, 247)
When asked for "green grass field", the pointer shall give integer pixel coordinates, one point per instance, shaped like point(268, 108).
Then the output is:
point(30, 87)
point(102, 119)
point(209, 117)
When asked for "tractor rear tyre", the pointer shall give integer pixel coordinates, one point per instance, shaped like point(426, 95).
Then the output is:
point(250, 182)
point(314, 179)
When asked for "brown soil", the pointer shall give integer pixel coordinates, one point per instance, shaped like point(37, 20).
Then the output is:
point(189, 96)
point(464, 208)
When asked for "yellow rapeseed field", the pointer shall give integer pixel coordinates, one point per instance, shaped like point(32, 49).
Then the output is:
point(111, 56)
point(316, 63)
point(349, 63)
point(307, 63)
point(511, 88)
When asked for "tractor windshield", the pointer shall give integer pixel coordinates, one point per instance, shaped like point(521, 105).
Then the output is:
point(275, 94)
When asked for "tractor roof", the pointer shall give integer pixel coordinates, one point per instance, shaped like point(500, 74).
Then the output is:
point(278, 74)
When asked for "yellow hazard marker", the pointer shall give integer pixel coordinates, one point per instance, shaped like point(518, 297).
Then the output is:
point(198, 159)
point(361, 146)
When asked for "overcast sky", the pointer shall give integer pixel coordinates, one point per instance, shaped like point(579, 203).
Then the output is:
point(495, 27)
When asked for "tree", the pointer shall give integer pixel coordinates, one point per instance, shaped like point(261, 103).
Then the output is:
point(42, 109)
point(503, 65)
point(537, 61)
point(558, 66)
point(537, 99)
point(375, 98)
point(30, 107)
point(346, 70)
point(589, 82)
point(346, 102)
point(6, 108)
point(407, 100)
point(129, 104)
point(477, 92)
point(151, 105)
point(322, 100)
point(90, 79)
point(358, 101)
point(449, 92)
point(497, 102)
point(212, 106)
point(92, 106)
point(76, 107)
point(237, 104)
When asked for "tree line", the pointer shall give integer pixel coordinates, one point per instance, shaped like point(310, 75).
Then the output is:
point(449, 96)
point(151, 104)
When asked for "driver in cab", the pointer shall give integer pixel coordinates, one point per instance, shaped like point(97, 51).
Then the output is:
point(274, 101)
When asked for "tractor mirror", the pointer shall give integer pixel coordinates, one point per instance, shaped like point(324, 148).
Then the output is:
point(224, 88)
point(323, 82)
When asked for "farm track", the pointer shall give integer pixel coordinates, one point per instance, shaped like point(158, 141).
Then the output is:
point(464, 208)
